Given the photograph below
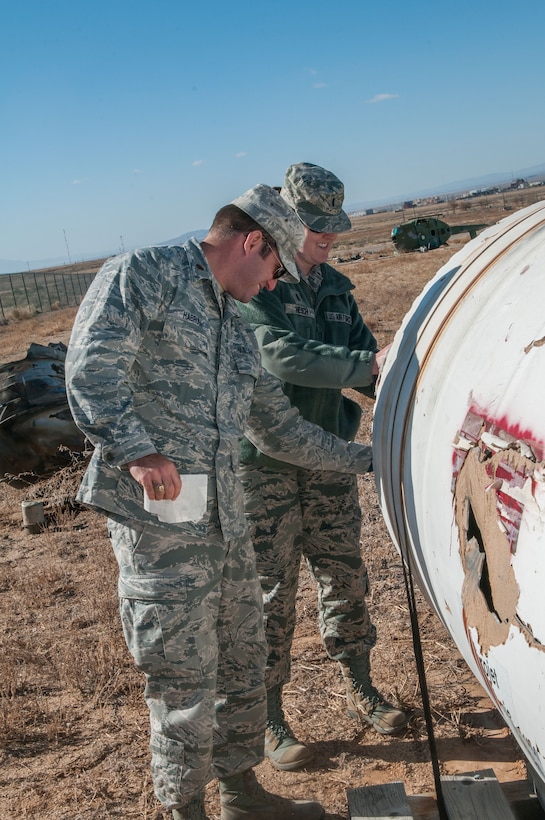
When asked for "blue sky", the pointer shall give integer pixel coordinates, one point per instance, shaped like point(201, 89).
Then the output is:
point(128, 123)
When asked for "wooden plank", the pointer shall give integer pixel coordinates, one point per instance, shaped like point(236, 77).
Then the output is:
point(367, 802)
point(523, 800)
point(475, 796)
point(380, 801)
point(424, 806)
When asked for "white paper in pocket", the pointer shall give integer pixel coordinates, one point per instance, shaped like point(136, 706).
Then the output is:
point(189, 506)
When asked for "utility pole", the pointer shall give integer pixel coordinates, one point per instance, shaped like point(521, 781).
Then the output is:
point(67, 248)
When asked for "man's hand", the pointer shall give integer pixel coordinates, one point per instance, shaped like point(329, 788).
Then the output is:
point(379, 360)
point(157, 475)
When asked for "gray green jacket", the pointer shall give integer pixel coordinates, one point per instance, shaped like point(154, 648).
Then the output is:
point(312, 337)
point(161, 361)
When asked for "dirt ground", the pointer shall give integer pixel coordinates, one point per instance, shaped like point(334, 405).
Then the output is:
point(73, 723)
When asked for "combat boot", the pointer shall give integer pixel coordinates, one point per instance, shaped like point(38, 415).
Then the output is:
point(281, 747)
point(365, 702)
point(193, 811)
point(243, 798)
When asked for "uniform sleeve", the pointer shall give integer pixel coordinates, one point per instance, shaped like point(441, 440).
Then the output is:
point(308, 362)
point(109, 327)
point(277, 429)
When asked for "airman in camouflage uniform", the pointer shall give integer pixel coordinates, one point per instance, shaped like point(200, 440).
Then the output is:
point(313, 338)
point(164, 377)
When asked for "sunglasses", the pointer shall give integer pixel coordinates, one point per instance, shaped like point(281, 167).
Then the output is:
point(280, 270)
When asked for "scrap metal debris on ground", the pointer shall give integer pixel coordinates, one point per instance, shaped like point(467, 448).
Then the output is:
point(37, 432)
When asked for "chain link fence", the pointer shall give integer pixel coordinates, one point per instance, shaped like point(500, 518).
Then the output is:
point(41, 291)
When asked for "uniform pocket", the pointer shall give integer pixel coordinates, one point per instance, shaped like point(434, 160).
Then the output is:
point(167, 765)
point(160, 639)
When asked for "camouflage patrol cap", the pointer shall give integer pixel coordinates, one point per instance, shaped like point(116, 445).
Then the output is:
point(270, 211)
point(317, 197)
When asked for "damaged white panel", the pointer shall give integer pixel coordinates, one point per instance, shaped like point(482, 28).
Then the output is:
point(459, 455)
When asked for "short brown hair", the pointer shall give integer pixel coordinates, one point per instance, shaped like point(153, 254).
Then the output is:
point(230, 220)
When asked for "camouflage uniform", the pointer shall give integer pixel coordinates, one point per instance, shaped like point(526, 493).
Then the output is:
point(160, 361)
point(312, 337)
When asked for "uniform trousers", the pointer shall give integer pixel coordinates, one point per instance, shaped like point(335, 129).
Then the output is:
point(192, 617)
point(292, 514)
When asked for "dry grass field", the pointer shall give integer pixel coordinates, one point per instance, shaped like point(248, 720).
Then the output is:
point(73, 723)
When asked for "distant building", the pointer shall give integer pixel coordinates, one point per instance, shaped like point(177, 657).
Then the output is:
point(518, 184)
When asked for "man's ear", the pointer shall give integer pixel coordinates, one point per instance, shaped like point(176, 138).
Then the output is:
point(253, 242)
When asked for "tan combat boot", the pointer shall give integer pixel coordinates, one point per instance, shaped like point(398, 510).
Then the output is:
point(193, 811)
point(243, 798)
point(365, 702)
point(281, 747)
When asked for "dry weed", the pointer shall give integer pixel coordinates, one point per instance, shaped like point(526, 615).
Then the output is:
point(20, 314)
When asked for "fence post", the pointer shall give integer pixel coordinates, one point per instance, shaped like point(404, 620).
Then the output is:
point(71, 280)
point(65, 291)
point(38, 293)
point(12, 291)
point(57, 289)
point(47, 290)
point(26, 291)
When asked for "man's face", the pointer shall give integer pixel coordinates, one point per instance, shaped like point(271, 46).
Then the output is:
point(254, 271)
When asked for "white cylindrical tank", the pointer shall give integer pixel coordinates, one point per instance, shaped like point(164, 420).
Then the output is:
point(459, 449)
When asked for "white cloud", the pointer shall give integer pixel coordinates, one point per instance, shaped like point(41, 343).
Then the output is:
point(382, 97)
point(197, 162)
point(320, 85)
point(76, 182)
point(311, 70)
point(240, 154)
point(137, 171)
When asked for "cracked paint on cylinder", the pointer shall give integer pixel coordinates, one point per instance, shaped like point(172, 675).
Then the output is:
point(459, 455)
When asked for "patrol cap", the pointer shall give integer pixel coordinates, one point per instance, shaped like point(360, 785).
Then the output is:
point(270, 211)
point(317, 196)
